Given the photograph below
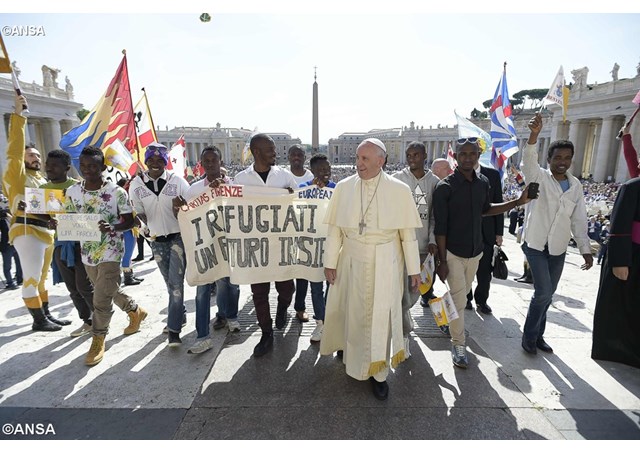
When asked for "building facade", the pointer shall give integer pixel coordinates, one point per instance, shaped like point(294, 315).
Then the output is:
point(595, 115)
point(231, 141)
point(53, 111)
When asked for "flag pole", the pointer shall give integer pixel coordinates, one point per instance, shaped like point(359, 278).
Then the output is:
point(14, 78)
point(153, 126)
point(124, 53)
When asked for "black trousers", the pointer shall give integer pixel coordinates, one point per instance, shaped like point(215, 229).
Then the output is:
point(483, 277)
point(260, 293)
point(77, 283)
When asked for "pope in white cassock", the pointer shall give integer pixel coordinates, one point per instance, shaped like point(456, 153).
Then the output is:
point(372, 219)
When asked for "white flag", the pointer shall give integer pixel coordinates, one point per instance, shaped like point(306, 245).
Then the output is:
point(177, 158)
point(555, 92)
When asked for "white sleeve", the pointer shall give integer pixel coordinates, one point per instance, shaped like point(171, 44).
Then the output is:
point(530, 166)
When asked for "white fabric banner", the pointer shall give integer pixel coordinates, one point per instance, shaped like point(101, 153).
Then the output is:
point(254, 235)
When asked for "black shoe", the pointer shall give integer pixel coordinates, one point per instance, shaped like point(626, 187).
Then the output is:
point(529, 347)
point(380, 389)
point(60, 322)
point(264, 345)
point(41, 323)
point(11, 286)
point(543, 346)
point(174, 339)
point(340, 353)
point(129, 280)
point(138, 258)
point(469, 306)
point(281, 319)
point(484, 308)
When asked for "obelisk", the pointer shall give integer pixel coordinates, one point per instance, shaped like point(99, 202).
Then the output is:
point(314, 127)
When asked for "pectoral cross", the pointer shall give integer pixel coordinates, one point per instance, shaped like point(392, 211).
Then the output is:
point(362, 225)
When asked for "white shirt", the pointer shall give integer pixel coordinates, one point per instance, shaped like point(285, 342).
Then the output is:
point(278, 178)
point(308, 176)
point(158, 208)
point(201, 186)
point(554, 215)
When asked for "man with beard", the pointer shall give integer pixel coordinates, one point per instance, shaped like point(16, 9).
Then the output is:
point(28, 233)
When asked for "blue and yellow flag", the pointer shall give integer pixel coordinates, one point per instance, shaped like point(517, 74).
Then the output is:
point(112, 118)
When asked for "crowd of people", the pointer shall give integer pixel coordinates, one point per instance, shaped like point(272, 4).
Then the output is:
point(384, 221)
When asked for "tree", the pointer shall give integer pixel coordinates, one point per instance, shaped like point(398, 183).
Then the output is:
point(532, 96)
point(82, 113)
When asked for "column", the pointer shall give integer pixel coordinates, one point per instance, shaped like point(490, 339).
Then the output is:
point(622, 172)
point(542, 152)
point(3, 143)
point(578, 138)
point(52, 135)
point(605, 146)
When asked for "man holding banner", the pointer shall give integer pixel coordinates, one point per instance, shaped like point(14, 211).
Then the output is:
point(265, 173)
point(228, 294)
point(372, 219)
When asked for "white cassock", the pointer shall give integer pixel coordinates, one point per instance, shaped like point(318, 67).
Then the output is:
point(364, 308)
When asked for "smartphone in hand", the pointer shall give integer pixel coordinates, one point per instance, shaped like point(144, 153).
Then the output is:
point(532, 191)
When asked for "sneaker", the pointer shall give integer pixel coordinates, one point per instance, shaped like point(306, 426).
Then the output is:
point(316, 336)
point(174, 339)
point(302, 316)
point(459, 356)
point(445, 330)
point(407, 351)
point(233, 325)
point(264, 345)
point(135, 318)
point(200, 346)
point(219, 323)
point(96, 351)
point(11, 286)
point(82, 330)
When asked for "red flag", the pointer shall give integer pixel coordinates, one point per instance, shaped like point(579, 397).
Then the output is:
point(198, 170)
point(177, 157)
point(453, 163)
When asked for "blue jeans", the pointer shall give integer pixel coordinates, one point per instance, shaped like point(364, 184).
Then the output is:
point(171, 260)
point(318, 298)
point(227, 299)
point(129, 245)
point(8, 255)
point(546, 271)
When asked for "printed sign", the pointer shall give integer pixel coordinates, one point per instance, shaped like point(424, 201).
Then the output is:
point(44, 201)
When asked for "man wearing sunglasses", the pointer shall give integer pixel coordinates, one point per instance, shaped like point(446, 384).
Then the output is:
point(459, 203)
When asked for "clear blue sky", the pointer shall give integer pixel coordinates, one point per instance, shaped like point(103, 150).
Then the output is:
point(248, 69)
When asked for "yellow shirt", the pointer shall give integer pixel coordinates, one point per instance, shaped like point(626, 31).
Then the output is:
point(14, 180)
